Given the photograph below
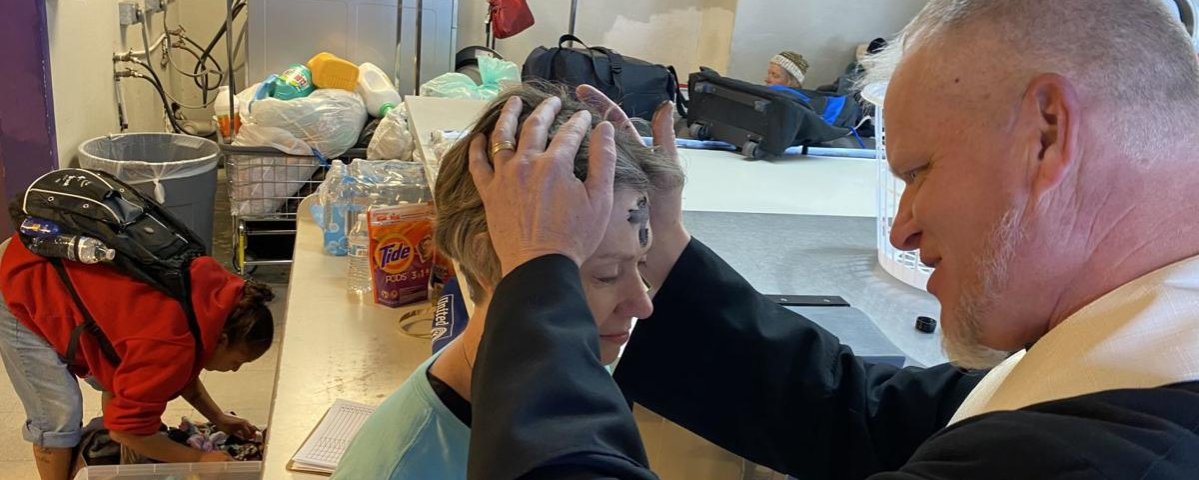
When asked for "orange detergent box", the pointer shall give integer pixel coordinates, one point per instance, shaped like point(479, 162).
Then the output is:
point(401, 252)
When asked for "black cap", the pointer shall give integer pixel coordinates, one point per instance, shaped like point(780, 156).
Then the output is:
point(926, 324)
point(876, 45)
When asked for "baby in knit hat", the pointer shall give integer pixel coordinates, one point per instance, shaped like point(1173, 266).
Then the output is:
point(787, 69)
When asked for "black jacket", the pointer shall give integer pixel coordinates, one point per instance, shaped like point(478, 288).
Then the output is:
point(767, 384)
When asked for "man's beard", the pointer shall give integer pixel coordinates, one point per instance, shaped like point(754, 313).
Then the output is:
point(979, 298)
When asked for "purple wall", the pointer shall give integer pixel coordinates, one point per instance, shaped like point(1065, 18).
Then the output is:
point(27, 142)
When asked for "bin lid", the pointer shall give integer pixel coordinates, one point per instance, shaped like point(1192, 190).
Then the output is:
point(875, 93)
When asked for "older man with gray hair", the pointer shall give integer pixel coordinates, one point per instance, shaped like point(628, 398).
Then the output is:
point(1049, 149)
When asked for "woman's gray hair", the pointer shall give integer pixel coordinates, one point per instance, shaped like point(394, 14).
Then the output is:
point(460, 230)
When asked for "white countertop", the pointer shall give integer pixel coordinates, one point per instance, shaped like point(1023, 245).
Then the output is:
point(429, 114)
point(333, 346)
point(719, 181)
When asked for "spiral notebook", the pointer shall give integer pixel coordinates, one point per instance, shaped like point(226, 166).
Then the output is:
point(324, 447)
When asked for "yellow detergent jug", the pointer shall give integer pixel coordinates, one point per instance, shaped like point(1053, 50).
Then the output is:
point(331, 71)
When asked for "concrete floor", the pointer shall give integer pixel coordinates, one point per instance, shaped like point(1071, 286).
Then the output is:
point(247, 392)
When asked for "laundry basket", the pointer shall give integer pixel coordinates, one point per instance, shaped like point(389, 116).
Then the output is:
point(172, 471)
point(179, 171)
point(266, 187)
point(902, 265)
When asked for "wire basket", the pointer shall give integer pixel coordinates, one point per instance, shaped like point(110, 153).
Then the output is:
point(266, 187)
point(902, 265)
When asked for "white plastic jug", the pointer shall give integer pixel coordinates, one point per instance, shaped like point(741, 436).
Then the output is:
point(376, 90)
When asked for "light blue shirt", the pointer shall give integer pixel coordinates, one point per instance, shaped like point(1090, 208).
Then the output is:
point(412, 435)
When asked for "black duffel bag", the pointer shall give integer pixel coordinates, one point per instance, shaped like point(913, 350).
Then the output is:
point(638, 86)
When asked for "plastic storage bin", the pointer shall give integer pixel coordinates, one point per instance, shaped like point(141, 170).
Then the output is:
point(179, 171)
point(902, 265)
point(175, 471)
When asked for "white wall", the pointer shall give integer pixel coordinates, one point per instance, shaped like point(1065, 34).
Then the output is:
point(826, 32)
point(84, 34)
point(683, 33)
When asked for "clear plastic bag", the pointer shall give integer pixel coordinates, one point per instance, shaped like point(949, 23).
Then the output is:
point(328, 121)
point(352, 189)
point(393, 140)
point(138, 158)
point(322, 125)
point(495, 74)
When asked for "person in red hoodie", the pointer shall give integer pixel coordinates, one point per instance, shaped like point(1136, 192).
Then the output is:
point(149, 332)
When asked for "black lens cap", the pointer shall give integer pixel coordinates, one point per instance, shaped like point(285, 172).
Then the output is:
point(926, 324)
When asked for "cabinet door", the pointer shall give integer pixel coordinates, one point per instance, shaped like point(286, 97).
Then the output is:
point(284, 32)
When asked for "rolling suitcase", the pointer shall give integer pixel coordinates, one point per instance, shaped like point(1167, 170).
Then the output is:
point(762, 121)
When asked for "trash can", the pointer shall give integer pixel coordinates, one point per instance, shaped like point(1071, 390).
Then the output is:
point(179, 171)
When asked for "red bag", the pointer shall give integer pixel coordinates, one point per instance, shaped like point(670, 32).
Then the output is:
point(509, 17)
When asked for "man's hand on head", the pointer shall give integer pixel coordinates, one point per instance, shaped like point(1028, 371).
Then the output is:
point(535, 204)
point(666, 202)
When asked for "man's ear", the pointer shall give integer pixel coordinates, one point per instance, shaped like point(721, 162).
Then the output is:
point(1051, 105)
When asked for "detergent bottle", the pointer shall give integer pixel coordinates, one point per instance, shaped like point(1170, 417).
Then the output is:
point(376, 90)
point(331, 71)
point(295, 82)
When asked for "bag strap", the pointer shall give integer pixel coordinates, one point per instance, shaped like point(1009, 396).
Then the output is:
point(616, 65)
point(189, 310)
point(89, 324)
point(680, 102)
point(615, 60)
point(570, 38)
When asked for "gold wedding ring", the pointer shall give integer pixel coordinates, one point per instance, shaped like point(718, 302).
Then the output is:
point(498, 147)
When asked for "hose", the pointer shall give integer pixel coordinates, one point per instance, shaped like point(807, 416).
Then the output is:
point(232, 13)
point(166, 104)
point(201, 70)
point(162, 95)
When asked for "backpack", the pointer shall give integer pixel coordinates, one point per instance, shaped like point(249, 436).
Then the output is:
point(639, 87)
point(151, 245)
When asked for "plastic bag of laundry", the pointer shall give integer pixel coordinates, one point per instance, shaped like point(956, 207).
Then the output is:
point(494, 73)
point(328, 121)
point(393, 140)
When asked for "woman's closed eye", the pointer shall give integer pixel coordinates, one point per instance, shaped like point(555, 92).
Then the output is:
point(608, 276)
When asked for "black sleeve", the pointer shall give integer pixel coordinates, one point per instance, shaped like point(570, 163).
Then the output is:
point(1128, 433)
point(543, 406)
point(1008, 445)
point(725, 362)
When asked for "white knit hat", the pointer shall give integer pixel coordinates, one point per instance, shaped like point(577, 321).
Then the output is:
point(793, 63)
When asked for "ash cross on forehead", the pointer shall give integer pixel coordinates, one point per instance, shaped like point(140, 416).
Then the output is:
point(639, 218)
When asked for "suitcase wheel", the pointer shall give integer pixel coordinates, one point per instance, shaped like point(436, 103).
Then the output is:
point(700, 131)
point(752, 151)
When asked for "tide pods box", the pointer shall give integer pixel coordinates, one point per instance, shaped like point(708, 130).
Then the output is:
point(401, 252)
